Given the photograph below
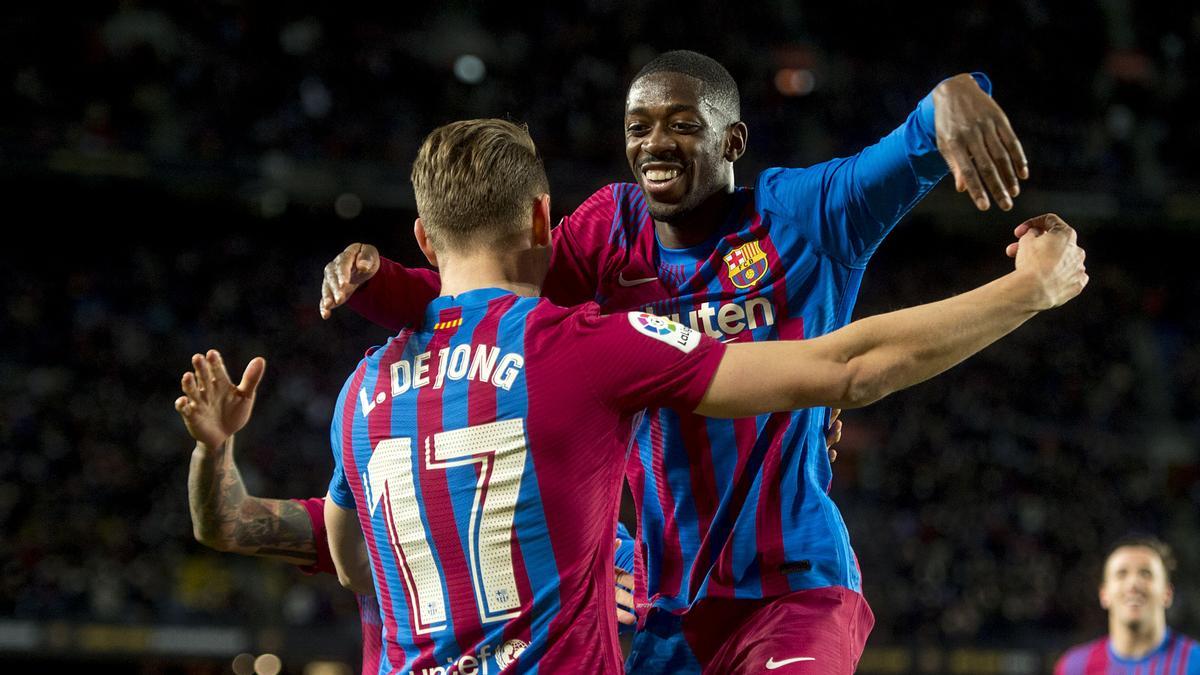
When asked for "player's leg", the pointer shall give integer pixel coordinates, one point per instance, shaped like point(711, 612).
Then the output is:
point(820, 630)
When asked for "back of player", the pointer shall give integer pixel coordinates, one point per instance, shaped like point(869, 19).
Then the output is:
point(485, 454)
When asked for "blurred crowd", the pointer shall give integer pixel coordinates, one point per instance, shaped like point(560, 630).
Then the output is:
point(307, 96)
point(979, 503)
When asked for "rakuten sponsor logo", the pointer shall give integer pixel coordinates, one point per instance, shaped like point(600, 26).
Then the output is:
point(726, 319)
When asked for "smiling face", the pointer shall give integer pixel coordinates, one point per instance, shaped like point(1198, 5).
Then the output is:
point(1135, 589)
point(680, 147)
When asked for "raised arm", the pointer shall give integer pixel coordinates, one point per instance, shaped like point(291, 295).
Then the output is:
point(873, 357)
point(846, 206)
point(224, 516)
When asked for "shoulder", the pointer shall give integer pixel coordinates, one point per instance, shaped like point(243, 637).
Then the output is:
point(1074, 661)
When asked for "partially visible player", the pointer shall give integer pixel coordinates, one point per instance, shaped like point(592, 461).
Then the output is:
point(227, 518)
point(481, 453)
point(1137, 592)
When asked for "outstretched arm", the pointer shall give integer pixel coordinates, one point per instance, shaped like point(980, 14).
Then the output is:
point(873, 357)
point(224, 516)
point(846, 206)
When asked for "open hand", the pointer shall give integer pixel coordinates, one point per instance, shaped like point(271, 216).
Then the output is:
point(212, 408)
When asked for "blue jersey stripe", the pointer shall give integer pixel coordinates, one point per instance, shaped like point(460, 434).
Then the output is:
point(530, 524)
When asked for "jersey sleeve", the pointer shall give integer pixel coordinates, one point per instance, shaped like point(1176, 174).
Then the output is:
point(396, 296)
point(846, 206)
point(315, 507)
point(635, 360)
point(579, 245)
point(339, 487)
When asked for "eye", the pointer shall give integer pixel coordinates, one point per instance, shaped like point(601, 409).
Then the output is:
point(685, 127)
point(636, 128)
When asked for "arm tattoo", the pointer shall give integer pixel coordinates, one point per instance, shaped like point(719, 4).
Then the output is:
point(224, 517)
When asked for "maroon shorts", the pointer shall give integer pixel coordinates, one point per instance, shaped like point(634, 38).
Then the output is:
point(817, 631)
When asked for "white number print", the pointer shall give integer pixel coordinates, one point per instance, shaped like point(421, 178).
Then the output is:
point(499, 448)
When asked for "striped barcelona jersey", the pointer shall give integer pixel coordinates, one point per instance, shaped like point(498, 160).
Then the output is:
point(733, 509)
point(484, 455)
point(1177, 655)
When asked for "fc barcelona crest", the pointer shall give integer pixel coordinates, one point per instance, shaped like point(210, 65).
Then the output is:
point(747, 264)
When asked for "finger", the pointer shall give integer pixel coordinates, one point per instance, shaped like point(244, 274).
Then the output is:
point(835, 434)
point(1009, 138)
point(1011, 250)
point(832, 455)
point(987, 169)
point(181, 405)
point(626, 617)
point(198, 373)
point(834, 413)
point(218, 376)
point(252, 376)
point(327, 302)
point(960, 164)
point(368, 259)
point(1002, 160)
point(207, 380)
point(344, 264)
point(188, 384)
point(624, 578)
point(220, 373)
point(331, 278)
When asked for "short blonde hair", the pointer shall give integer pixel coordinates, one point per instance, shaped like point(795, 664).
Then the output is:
point(476, 181)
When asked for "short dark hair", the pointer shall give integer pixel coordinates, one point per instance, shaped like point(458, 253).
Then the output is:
point(476, 181)
point(1160, 548)
point(719, 87)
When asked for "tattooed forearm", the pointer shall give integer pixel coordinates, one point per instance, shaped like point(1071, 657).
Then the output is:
point(225, 518)
point(275, 527)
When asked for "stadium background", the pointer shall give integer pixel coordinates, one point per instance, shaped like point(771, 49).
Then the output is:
point(175, 175)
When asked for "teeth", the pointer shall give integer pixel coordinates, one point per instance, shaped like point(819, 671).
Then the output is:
point(661, 174)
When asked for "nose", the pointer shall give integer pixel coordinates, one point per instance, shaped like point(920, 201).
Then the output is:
point(659, 142)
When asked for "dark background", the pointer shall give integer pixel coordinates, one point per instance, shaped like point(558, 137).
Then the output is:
point(175, 175)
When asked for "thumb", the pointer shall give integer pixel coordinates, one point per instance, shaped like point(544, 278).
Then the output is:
point(252, 376)
point(368, 258)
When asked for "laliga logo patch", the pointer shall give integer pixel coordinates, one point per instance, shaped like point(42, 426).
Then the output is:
point(747, 265)
point(508, 652)
point(664, 330)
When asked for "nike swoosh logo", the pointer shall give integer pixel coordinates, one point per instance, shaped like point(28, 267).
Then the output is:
point(772, 664)
point(633, 282)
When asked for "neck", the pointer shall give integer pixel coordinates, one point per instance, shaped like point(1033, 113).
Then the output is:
point(1133, 641)
point(697, 225)
point(488, 269)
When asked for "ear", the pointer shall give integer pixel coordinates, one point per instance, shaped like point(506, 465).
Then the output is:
point(1105, 601)
point(1169, 597)
point(541, 221)
point(736, 137)
point(423, 242)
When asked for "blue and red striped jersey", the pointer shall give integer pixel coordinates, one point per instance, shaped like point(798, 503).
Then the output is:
point(484, 453)
point(732, 508)
point(1177, 655)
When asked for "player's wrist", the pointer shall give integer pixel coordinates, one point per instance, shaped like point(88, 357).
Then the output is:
point(210, 447)
point(1028, 290)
